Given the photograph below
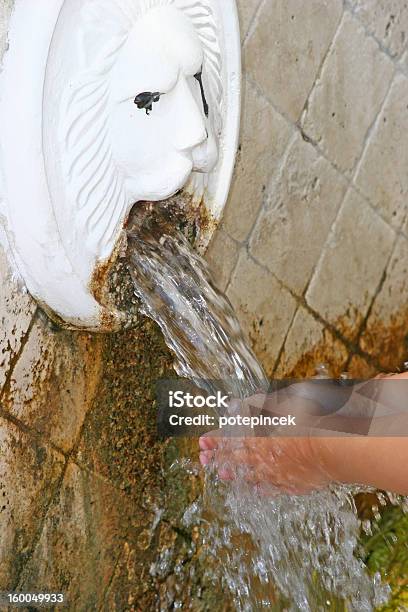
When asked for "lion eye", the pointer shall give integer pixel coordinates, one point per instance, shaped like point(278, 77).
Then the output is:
point(146, 100)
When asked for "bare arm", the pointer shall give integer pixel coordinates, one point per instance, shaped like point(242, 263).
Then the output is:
point(378, 462)
point(381, 462)
point(299, 465)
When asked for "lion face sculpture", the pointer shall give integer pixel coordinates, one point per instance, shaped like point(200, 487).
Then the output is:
point(157, 158)
point(127, 103)
point(135, 125)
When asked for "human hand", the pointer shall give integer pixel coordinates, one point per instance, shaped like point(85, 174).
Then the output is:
point(292, 465)
point(321, 454)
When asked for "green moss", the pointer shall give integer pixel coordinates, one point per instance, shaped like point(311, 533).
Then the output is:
point(386, 552)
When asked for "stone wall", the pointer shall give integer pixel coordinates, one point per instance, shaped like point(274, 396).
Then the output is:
point(86, 505)
point(312, 251)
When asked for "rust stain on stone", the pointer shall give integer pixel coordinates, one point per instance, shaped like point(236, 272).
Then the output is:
point(387, 341)
point(383, 346)
point(183, 212)
point(98, 284)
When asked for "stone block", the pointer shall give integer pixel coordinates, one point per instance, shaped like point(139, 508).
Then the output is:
point(308, 345)
point(246, 11)
point(16, 312)
point(81, 540)
point(6, 6)
point(286, 48)
point(119, 439)
point(387, 20)
point(29, 474)
point(52, 384)
point(264, 137)
point(385, 335)
point(264, 308)
point(359, 368)
point(403, 64)
point(348, 96)
point(222, 256)
point(352, 264)
point(303, 200)
point(382, 175)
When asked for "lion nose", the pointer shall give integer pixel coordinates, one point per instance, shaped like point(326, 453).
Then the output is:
point(205, 155)
point(191, 130)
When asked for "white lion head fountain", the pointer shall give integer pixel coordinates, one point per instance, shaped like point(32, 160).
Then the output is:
point(105, 103)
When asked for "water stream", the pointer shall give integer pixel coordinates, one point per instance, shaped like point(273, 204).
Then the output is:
point(301, 547)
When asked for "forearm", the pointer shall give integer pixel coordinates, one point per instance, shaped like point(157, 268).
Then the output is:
point(372, 460)
point(377, 462)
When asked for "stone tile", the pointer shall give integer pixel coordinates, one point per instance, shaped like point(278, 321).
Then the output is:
point(53, 383)
point(287, 46)
point(81, 541)
point(265, 309)
point(16, 312)
point(387, 20)
point(385, 336)
point(348, 96)
point(119, 439)
point(292, 228)
point(246, 11)
point(6, 7)
point(308, 345)
point(181, 578)
point(360, 368)
point(126, 589)
point(222, 255)
point(403, 64)
point(351, 266)
point(264, 137)
point(382, 175)
point(29, 473)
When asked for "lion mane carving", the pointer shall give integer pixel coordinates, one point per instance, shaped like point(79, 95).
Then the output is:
point(97, 189)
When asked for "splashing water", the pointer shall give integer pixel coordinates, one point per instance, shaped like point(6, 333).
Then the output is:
point(302, 547)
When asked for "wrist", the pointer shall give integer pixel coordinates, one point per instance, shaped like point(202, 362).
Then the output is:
point(322, 456)
point(335, 456)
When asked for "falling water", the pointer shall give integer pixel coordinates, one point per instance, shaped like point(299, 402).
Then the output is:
point(301, 547)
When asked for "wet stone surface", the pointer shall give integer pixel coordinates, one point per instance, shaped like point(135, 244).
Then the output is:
point(29, 477)
point(53, 382)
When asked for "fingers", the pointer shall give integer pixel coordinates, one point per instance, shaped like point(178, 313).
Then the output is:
point(229, 460)
point(208, 443)
point(270, 465)
point(213, 440)
point(245, 463)
point(206, 457)
point(224, 471)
